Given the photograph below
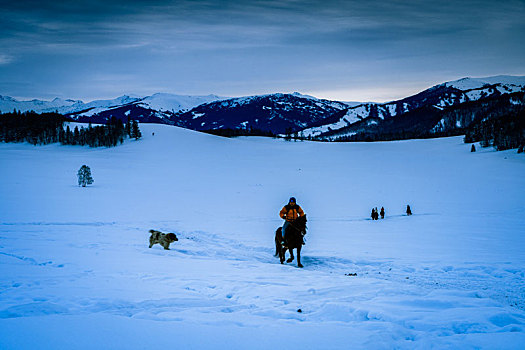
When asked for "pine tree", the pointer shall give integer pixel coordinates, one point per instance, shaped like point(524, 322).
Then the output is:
point(128, 127)
point(68, 136)
point(135, 131)
point(84, 176)
point(76, 136)
point(288, 134)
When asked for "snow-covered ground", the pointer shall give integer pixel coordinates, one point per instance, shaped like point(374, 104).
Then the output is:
point(76, 271)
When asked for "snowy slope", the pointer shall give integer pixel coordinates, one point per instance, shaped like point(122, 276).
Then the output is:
point(76, 271)
point(507, 82)
point(175, 103)
point(97, 106)
point(351, 116)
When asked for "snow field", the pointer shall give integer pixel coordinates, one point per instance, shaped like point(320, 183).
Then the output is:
point(76, 271)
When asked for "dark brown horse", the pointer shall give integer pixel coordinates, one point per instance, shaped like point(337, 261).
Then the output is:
point(294, 240)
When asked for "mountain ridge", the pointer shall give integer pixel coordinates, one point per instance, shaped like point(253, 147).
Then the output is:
point(280, 113)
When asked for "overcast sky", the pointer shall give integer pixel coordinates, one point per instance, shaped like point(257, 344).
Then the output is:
point(364, 50)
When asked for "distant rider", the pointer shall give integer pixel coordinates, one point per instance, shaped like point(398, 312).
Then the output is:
point(289, 213)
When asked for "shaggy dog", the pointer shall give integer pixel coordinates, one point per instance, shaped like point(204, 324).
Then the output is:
point(164, 239)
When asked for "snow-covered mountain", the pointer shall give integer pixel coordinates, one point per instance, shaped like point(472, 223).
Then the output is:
point(97, 106)
point(504, 83)
point(360, 118)
point(160, 102)
point(277, 113)
point(8, 104)
point(175, 103)
point(294, 112)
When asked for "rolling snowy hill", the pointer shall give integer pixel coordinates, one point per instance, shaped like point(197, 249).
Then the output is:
point(76, 270)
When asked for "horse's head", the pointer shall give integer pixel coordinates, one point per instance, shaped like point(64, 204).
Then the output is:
point(300, 223)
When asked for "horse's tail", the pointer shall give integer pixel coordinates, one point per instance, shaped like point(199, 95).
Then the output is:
point(278, 239)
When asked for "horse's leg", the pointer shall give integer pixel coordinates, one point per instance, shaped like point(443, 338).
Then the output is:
point(291, 255)
point(282, 253)
point(299, 257)
point(278, 239)
point(279, 250)
point(277, 244)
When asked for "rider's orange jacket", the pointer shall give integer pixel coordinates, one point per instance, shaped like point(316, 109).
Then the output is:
point(290, 213)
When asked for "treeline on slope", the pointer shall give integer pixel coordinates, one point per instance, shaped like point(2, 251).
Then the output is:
point(503, 132)
point(45, 128)
point(228, 132)
point(398, 135)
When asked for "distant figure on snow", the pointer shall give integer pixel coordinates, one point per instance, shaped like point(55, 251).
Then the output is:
point(409, 212)
point(375, 214)
point(382, 213)
point(289, 213)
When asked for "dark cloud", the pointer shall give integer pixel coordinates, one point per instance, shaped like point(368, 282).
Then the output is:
point(244, 47)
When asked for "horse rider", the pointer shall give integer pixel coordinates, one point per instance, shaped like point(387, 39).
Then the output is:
point(289, 213)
